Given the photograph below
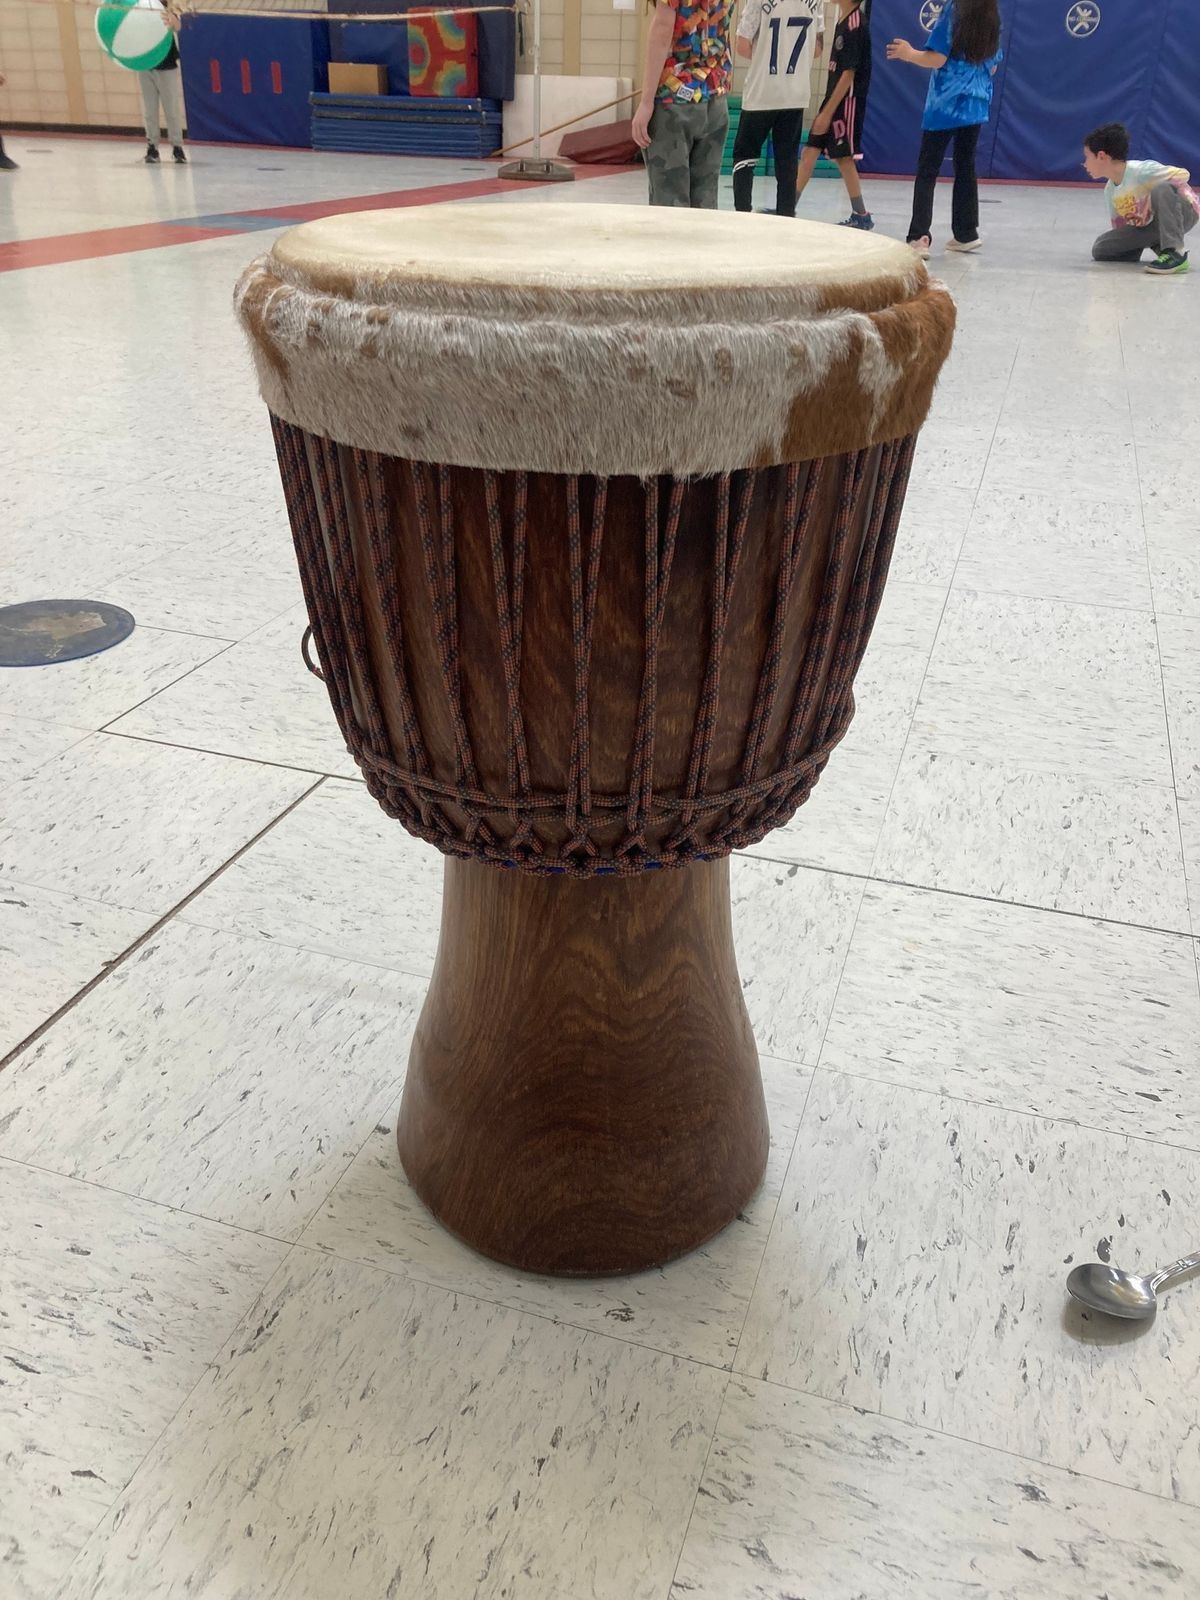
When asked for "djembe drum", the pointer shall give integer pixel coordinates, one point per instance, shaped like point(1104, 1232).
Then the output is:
point(593, 508)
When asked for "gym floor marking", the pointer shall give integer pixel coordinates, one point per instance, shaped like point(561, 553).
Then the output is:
point(64, 247)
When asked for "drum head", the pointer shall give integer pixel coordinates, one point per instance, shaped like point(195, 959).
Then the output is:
point(601, 339)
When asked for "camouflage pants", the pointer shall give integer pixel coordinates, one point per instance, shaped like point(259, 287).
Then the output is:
point(686, 146)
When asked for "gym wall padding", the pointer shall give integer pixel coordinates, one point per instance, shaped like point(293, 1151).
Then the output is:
point(383, 44)
point(1069, 65)
point(248, 80)
point(497, 44)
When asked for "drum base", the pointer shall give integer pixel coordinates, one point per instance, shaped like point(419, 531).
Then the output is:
point(583, 1094)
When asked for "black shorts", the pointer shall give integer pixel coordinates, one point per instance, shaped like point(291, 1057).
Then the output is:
point(844, 139)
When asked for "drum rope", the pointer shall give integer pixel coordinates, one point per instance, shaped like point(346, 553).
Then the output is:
point(796, 529)
point(510, 605)
point(816, 655)
point(660, 557)
point(372, 492)
point(441, 576)
point(585, 587)
point(726, 561)
point(319, 505)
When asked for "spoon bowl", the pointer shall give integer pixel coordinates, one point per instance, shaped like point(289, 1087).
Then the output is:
point(1124, 1294)
point(1113, 1292)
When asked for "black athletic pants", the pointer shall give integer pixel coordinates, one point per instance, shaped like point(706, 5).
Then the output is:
point(785, 129)
point(964, 207)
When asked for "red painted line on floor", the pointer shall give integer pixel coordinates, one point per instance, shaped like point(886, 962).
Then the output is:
point(99, 242)
point(63, 247)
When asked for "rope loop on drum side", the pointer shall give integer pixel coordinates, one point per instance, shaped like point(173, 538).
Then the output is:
point(394, 667)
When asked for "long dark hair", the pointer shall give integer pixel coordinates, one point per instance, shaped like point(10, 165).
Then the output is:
point(976, 30)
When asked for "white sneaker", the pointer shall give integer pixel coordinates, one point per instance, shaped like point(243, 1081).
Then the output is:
point(963, 247)
point(921, 247)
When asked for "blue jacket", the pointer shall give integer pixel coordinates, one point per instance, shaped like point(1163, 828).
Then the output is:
point(960, 93)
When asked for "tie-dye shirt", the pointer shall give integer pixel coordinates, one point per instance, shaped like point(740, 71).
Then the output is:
point(698, 66)
point(1129, 200)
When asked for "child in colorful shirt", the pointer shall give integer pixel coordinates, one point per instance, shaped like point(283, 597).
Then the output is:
point(1151, 206)
point(683, 118)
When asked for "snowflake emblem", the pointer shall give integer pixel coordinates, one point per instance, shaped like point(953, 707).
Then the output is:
point(1083, 19)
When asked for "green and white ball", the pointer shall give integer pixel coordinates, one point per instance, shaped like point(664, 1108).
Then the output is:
point(133, 32)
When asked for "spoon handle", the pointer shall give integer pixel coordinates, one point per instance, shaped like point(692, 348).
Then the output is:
point(1184, 1264)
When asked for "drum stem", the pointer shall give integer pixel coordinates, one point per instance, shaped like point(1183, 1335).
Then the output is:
point(583, 1094)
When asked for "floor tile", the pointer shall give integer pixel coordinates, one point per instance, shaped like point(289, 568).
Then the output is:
point(110, 1310)
point(886, 692)
point(694, 1308)
point(1174, 566)
point(135, 824)
point(92, 691)
point(791, 928)
point(1170, 479)
point(27, 743)
point(931, 534)
point(1056, 547)
point(1179, 640)
point(917, 1268)
point(908, 617)
point(198, 591)
point(79, 556)
point(1038, 838)
point(1046, 687)
point(488, 1453)
point(257, 701)
point(839, 825)
point(1067, 460)
point(951, 455)
point(338, 876)
point(804, 1498)
point(229, 1077)
point(1189, 826)
point(50, 946)
point(1029, 1010)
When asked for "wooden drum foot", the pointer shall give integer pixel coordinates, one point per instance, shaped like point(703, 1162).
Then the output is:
point(583, 1094)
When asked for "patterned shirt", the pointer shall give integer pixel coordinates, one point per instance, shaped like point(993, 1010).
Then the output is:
point(698, 65)
point(1129, 200)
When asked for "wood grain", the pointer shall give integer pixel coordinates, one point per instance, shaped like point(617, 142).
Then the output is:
point(583, 1094)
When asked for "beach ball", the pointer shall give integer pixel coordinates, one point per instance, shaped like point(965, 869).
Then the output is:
point(133, 32)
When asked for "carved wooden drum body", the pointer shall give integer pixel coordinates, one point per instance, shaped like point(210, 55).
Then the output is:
point(593, 508)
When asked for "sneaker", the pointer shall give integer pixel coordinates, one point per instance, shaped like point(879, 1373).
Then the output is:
point(862, 220)
point(963, 246)
point(7, 164)
point(770, 211)
point(151, 156)
point(180, 158)
point(921, 246)
point(1166, 263)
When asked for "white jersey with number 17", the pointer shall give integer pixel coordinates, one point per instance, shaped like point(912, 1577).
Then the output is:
point(784, 33)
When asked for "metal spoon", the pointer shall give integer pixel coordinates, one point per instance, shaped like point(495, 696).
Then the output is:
point(1123, 1294)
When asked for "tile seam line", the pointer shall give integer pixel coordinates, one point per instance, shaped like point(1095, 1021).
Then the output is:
point(403, 1273)
point(958, 1438)
point(119, 961)
point(206, 1370)
point(111, 732)
point(991, 1105)
point(965, 894)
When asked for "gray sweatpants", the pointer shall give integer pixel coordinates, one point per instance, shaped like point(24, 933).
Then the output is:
point(1170, 218)
point(162, 97)
point(686, 146)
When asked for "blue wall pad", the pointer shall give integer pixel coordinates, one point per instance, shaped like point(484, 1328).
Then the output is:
point(1069, 65)
point(382, 44)
point(416, 125)
point(248, 79)
point(497, 45)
